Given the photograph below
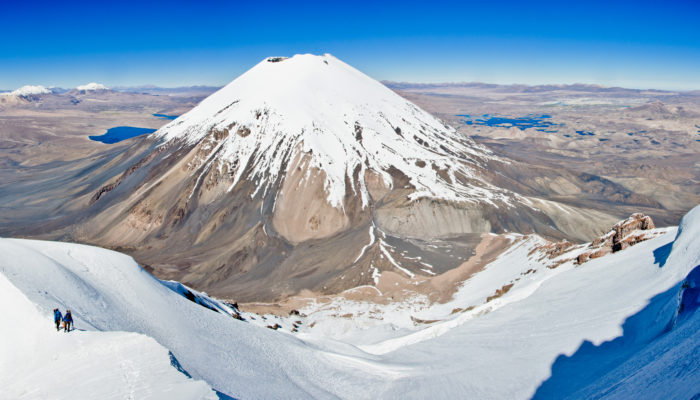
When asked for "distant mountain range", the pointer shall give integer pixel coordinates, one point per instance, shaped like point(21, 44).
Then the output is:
point(36, 90)
point(181, 90)
point(197, 90)
point(576, 87)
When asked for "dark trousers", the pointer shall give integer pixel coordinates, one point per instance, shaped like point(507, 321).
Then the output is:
point(58, 324)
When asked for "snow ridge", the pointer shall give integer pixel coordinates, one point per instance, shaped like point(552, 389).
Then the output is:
point(347, 124)
point(39, 363)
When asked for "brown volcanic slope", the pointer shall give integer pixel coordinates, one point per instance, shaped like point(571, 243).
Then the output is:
point(46, 158)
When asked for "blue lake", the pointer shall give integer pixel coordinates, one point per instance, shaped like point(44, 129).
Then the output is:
point(119, 133)
point(164, 116)
point(529, 121)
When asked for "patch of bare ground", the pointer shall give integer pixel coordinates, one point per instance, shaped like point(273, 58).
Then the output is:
point(419, 321)
point(445, 285)
point(286, 307)
point(301, 212)
point(500, 292)
point(461, 310)
point(393, 286)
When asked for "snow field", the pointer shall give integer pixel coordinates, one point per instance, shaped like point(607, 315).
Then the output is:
point(613, 326)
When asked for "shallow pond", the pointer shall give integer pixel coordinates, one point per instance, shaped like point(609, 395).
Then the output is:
point(119, 133)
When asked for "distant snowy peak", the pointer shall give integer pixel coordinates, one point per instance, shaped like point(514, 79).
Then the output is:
point(92, 86)
point(28, 90)
point(345, 123)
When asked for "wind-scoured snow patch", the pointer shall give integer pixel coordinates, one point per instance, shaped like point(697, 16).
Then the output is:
point(346, 122)
point(376, 275)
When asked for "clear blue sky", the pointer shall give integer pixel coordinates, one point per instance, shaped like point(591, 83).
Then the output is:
point(642, 44)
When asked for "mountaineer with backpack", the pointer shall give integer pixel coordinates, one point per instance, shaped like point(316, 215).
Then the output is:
point(67, 321)
point(57, 318)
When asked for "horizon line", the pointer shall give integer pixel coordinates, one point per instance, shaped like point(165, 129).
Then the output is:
point(384, 82)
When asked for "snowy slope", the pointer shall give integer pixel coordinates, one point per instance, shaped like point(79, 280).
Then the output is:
point(108, 291)
point(613, 326)
point(512, 349)
point(510, 342)
point(344, 120)
point(39, 363)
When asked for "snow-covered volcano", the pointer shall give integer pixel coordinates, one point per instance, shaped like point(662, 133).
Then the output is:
point(28, 90)
point(91, 87)
point(346, 122)
point(26, 93)
point(304, 173)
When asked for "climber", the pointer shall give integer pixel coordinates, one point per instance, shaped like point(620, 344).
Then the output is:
point(57, 318)
point(67, 321)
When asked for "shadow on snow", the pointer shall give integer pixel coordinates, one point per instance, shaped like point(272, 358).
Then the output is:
point(176, 364)
point(663, 313)
point(662, 253)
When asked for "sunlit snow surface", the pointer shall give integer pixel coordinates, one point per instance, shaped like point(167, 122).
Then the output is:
point(344, 120)
point(37, 362)
point(612, 327)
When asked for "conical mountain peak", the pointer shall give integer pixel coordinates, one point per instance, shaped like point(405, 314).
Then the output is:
point(344, 121)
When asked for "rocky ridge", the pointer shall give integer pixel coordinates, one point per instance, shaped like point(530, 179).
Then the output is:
point(628, 232)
